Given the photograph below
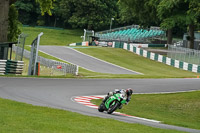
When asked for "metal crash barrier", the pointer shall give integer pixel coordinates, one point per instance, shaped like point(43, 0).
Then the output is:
point(7, 66)
point(2, 67)
point(14, 67)
point(11, 67)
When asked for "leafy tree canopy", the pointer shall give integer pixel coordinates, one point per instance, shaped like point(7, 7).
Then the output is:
point(45, 6)
point(13, 29)
point(90, 14)
point(143, 10)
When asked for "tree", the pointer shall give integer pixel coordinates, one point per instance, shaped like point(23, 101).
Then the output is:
point(194, 18)
point(56, 15)
point(167, 14)
point(126, 16)
point(143, 10)
point(13, 28)
point(179, 12)
point(4, 9)
point(45, 6)
point(30, 14)
point(90, 14)
point(28, 11)
point(172, 13)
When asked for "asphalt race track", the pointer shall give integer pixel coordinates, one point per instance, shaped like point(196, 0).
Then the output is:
point(85, 61)
point(58, 93)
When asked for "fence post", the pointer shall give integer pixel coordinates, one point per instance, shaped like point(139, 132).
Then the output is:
point(34, 55)
point(77, 67)
point(38, 68)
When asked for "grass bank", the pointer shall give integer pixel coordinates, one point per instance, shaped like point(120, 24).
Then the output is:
point(181, 109)
point(129, 60)
point(20, 117)
point(53, 36)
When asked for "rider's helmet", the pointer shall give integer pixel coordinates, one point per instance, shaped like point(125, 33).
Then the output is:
point(129, 92)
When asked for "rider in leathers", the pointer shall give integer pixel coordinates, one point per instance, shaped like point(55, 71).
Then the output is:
point(126, 93)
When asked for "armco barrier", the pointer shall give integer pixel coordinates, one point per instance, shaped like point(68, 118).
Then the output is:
point(80, 44)
point(118, 44)
point(97, 43)
point(14, 67)
point(2, 67)
point(160, 58)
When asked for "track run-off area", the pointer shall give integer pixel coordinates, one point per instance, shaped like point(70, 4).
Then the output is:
point(60, 93)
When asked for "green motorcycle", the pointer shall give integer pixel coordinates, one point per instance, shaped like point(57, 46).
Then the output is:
point(112, 103)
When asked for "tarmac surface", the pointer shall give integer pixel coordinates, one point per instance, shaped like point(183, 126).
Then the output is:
point(85, 61)
point(59, 93)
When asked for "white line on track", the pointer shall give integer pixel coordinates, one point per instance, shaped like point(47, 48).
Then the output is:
point(65, 60)
point(105, 61)
point(167, 92)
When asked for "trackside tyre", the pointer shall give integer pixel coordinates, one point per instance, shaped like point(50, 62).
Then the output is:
point(101, 107)
point(113, 108)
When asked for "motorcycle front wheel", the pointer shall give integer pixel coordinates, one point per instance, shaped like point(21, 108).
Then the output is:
point(113, 108)
point(101, 107)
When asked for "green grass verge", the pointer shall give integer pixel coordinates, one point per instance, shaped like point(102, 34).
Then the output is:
point(181, 109)
point(129, 60)
point(53, 36)
point(19, 117)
